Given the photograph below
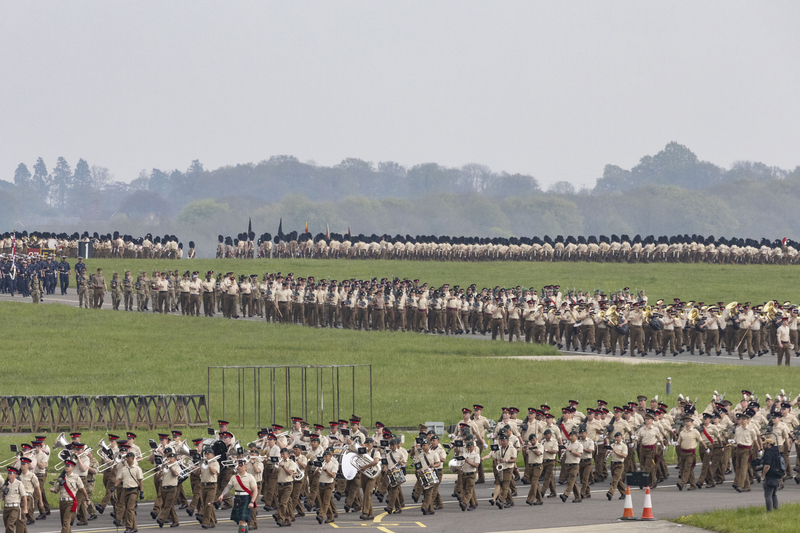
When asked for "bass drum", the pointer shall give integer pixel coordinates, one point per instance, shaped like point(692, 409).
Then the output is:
point(656, 324)
point(623, 328)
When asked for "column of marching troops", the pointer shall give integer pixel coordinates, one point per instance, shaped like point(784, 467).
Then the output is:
point(573, 319)
point(303, 471)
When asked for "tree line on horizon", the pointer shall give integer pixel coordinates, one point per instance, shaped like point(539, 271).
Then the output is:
point(671, 192)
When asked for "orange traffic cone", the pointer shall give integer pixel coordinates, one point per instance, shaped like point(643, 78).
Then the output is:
point(627, 514)
point(647, 512)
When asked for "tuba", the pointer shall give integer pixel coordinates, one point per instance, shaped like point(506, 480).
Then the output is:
point(61, 442)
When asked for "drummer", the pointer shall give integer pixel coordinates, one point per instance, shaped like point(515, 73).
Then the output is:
point(427, 464)
point(395, 459)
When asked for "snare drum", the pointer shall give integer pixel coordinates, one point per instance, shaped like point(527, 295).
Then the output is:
point(396, 477)
point(429, 478)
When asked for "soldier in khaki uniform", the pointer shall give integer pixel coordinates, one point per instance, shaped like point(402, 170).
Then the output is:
point(69, 489)
point(649, 436)
point(708, 438)
point(746, 438)
point(15, 503)
point(327, 509)
point(41, 460)
point(208, 482)
point(99, 289)
point(571, 463)
point(169, 491)
point(287, 469)
point(688, 439)
point(129, 487)
point(127, 291)
point(116, 291)
point(255, 467)
point(534, 451)
point(619, 451)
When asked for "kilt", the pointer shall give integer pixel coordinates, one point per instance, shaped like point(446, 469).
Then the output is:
point(241, 512)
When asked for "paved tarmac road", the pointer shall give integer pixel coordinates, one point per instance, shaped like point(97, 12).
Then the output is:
point(668, 502)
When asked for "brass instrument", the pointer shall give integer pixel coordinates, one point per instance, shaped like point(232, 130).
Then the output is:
point(61, 442)
point(769, 310)
point(731, 305)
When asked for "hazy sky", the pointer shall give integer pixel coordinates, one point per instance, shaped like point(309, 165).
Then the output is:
point(553, 89)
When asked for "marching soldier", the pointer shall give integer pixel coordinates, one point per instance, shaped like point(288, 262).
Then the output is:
point(116, 291)
point(169, 491)
point(208, 481)
point(287, 470)
point(129, 485)
point(99, 289)
point(245, 489)
point(70, 486)
point(63, 275)
point(571, 463)
point(41, 459)
point(619, 451)
point(688, 440)
point(127, 291)
point(533, 471)
point(255, 467)
point(15, 503)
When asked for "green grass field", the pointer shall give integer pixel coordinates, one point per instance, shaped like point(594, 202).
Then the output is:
point(700, 282)
point(748, 519)
point(416, 378)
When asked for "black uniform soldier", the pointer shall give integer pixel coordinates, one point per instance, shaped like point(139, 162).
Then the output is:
point(63, 274)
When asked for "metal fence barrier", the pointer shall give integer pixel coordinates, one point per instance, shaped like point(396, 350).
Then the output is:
point(274, 393)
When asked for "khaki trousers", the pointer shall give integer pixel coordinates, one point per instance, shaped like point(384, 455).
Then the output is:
point(367, 486)
point(686, 468)
point(326, 508)
point(209, 494)
point(129, 497)
point(742, 463)
point(571, 474)
point(534, 471)
point(284, 501)
point(168, 495)
point(617, 472)
point(65, 509)
point(13, 521)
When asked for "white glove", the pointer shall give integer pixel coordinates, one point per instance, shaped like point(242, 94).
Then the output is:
point(630, 445)
point(708, 450)
point(731, 441)
point(760, 454)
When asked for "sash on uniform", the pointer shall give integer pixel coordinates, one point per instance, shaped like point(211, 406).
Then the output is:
point(708, 436)
point(71, 495)
point(239, 481)
point(564, 430)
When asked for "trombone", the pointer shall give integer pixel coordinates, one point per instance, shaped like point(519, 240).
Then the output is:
point(201, 464)
point(74, 457)
point(14, 457)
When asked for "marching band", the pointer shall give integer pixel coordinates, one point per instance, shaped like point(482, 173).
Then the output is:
point(301, 471)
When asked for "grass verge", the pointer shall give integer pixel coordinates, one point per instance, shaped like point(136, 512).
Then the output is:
point(747, 519)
